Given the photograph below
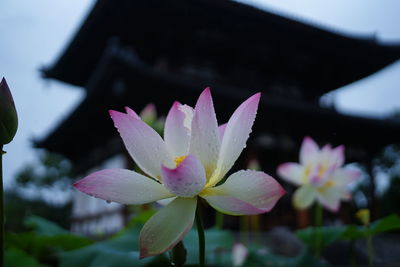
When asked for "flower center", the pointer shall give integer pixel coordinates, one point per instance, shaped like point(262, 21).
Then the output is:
point(326, 186)
point(321, 170)
point(329, 184)
point(178, 160)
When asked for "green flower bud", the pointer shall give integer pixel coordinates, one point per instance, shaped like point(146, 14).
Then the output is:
point(8, 114)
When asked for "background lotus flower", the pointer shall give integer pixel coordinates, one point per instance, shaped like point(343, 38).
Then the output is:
point(193, 157)
point(320, 176)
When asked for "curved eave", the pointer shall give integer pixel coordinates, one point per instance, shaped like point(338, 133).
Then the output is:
point(88, 130)
point(317, 60)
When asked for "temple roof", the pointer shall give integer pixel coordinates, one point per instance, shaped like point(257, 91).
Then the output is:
point(223, 42)
point(88, 136)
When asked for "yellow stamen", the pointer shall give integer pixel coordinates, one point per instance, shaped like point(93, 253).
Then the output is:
point(363, 216)
point(306, 175)
point(325, 187)
point(322, 170)
point(329, 183)
point(178, 160)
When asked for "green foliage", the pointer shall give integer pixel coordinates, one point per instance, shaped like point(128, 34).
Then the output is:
point(52, 170)
point(49, 244)
point(305, 258)
point(17, 258)
point(141, 218)
point(43, 242)
point(389, 223)
point(42, 226)
point(219, 244)
point(328, 235)
point(120, 250)
point(348, 232)
point(17, 208)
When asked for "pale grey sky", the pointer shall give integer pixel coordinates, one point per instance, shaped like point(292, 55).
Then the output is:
point(378, 94)
point(35, 32)
point(32, 34)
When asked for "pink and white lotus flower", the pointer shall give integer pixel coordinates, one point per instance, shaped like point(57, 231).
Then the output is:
point(193, 158)
point(320, 176)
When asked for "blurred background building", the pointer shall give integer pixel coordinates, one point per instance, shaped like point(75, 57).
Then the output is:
point(130, 53)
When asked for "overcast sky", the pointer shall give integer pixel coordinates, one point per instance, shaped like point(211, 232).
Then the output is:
point(35, 32)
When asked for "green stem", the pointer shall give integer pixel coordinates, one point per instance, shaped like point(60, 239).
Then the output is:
point(318, 213)
point(353, 261)
point(200, 232)
point(370, 249)
point(219, 220)
point(244, 230)
point(1, 208)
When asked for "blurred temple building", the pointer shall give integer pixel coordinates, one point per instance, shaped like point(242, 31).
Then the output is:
point(130, 53)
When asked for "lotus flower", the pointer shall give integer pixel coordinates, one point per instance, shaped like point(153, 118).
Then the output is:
point(320, 176)
point(193, 158)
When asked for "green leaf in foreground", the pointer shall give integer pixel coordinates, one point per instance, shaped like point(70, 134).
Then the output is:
point(329, 235)
point(18, 258)
point(389, 223)
point(45, 240)
point(304, 258)
point(41, 226)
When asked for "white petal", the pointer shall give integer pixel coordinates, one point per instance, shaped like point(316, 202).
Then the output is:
point(122, 186)
point(346, 175)
point(235, 137)
point(166, 201)
point(205, 141)
point(167, 227)
point(143, 143)
point(309, 152)
point(293, 173)
point(245, 192)
point(177, 129)
point(304, 196)
point(330, 197)
point(221, 130)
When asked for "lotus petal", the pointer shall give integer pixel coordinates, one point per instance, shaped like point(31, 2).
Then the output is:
point(143, 143)
point(245, 192)
point(205, 141)
point(122, 186)
point(236, 134)
point(186, 180)
point(167, 227)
